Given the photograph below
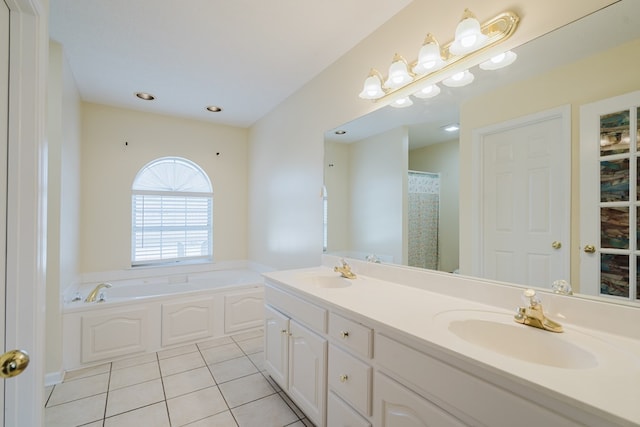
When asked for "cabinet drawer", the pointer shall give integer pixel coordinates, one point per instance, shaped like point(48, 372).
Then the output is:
point(350, 334)
point(339, 414)
point(309, 314)
point(350, 379)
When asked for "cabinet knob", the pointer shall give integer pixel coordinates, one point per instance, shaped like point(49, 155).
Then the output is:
point(590, 249)
point(344, 334)
point(344, 378)
point(284, 331)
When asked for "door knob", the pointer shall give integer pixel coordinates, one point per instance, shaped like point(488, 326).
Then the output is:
point(556, 245)
point(13, 362)
point(590, 249)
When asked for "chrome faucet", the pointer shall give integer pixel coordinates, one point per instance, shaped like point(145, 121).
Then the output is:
point(345, 270)
point(94, 293)
point(533, 315)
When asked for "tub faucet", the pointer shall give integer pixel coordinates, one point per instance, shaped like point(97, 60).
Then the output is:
point(345, 270)
point(94, 293)
point(533, 315)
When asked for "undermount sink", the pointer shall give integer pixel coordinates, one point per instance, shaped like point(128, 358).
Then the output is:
point(326, 281)
point(498, 332)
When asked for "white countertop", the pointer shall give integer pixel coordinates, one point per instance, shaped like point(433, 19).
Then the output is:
point(610, 385)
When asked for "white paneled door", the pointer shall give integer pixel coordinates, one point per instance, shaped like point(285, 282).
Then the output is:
point(4, 135)
point(523, 224)
point(23, 69)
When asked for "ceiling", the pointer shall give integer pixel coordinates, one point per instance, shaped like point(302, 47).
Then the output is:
point(245, 56)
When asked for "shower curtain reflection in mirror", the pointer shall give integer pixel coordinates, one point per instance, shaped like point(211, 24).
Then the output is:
point(423, 218)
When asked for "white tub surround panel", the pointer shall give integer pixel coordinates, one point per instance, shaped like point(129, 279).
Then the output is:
point(149, 314)
point(402, 318)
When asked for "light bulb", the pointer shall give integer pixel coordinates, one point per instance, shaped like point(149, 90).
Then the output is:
point(427, 92)
point(402, 102)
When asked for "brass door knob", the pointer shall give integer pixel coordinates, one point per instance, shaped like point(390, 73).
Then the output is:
point(13, 363)
point(556, 245)
point(590, 249)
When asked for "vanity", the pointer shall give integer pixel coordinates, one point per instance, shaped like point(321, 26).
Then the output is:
point(404, 346)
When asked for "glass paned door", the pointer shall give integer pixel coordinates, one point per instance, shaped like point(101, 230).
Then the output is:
point(610, 198)
point(618, 206)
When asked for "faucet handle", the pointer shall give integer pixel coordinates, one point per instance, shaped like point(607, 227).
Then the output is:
point(530, 298)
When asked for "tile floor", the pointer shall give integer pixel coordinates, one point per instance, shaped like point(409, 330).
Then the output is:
point(217, 383)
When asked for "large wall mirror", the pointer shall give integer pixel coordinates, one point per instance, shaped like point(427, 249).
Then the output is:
point(398, 183)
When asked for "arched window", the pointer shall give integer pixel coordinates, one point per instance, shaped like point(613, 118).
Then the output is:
point(172, 213)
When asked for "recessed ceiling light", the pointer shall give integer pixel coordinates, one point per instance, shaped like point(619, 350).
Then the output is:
point(340, 132)
point(451, 128)
point(145, 96)
point(214, 109)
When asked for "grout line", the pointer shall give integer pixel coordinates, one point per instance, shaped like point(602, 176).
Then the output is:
point(164, 392)
point(106, 400)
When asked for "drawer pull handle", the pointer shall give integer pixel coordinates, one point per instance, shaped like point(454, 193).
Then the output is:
point(344, 334)
point(344, 378)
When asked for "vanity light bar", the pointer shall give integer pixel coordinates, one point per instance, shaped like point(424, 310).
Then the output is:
point(406, 82)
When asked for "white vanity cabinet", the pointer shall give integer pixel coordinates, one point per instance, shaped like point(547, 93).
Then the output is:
point(347, 363)
point(295, 351)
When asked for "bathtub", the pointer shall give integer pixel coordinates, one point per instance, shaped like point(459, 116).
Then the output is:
point(153, 313)
point(134, 290)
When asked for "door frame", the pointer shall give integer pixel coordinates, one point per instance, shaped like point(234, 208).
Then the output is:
point(477, 208)
point(26, 208)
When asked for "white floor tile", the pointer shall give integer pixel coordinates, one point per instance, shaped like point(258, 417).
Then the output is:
point(224, 419)
point(221, 353)
point(258, 360)
point(77, 389)
point(78, 412)
point(253, 345)
point(133, 361)
point(248, 335)
point(133, 397)
point(232, 369)
point(270, 411)
point(87, 372)
point(195, 406)
point(245, 389)
point(216, 342)
point(134, 375)
point(187, 382)
point(182, 363)
point(173, 352)
point(153, 415)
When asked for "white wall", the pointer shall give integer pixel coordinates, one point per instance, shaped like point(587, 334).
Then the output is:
point(378, 180)
point(336, 181)
point(63, 197)
point(117, 143)
point(444, 159)
point(286, 146)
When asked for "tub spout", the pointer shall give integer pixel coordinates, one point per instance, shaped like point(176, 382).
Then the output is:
point(94, 293)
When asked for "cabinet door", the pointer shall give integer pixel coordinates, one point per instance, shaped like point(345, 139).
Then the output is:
point(397, 406)
point(307, 371)
point(276, 345)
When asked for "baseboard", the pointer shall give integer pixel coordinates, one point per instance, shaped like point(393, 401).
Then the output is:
point(53, 378)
